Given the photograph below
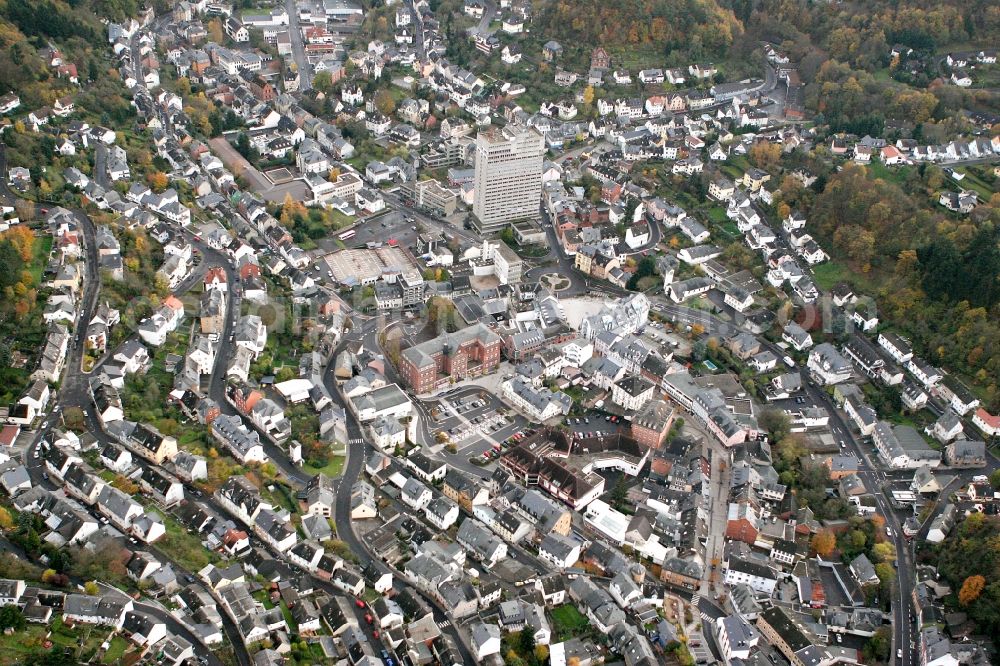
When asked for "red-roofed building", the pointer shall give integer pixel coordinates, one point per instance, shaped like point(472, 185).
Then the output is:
point(249, 269)
point(236, 542)
point(988, 423)
point(175, 305)
point(742, 523)
point(68, 71)
point(215, 278)
point(891, 155)
point(9, 434)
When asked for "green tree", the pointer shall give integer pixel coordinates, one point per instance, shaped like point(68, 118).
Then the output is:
point(776, 423)
point(11, 617)
point(11, 264)
point(526, 641)
point(323, 82)
point(878, 646)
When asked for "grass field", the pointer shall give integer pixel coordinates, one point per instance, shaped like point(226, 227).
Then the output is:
point(717, 214)
point(830, 273)
point(889, 174)
point(974, 183)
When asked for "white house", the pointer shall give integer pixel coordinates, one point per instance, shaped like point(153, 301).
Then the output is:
point(759, 577)
point(560, 551)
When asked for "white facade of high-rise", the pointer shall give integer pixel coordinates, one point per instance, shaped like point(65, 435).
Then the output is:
point(508, 183)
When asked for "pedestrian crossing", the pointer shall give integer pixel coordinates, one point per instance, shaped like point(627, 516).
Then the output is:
point(444, 624)
point(696, 604)
point(357, 440)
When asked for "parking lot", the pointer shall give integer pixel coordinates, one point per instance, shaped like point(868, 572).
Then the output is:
point(475, 421)
point(595, 424)
point(392, 225)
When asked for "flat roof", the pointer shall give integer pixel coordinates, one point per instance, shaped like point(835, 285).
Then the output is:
point(368, 265)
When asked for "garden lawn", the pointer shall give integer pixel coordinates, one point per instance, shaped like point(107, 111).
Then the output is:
point(183, 547)
point(568, 621)
point(333, 469)
point(40, 257)
point(115, 650)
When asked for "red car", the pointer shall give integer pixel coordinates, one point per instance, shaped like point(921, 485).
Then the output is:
point(359, 603)
point(368, 618)
point(375, 633)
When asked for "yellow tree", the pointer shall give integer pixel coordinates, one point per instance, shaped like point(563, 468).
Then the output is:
point(287, 211)
point(158, 181)
point(824, 542)
point(765, 155)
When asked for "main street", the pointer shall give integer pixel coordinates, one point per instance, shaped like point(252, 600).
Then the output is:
point(298, 48)
point(902, 596)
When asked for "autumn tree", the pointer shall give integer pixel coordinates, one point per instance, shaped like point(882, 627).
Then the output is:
point(290, 211)
point(91, 588)
point(6, 522)
point(158, 181)
point(824, 542)
point(384, 102)
point(765, 155)
point(125, 485)
point(884, 552)
point(972, 587)
point(25, 210)
point(22, 239)
point(214, 29)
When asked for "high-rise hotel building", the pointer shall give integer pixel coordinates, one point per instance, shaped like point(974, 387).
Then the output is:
point(508, 183)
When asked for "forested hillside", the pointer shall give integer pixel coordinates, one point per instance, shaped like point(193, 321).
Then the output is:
point(861, 33)
point(937, 278)
point(663, 24)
